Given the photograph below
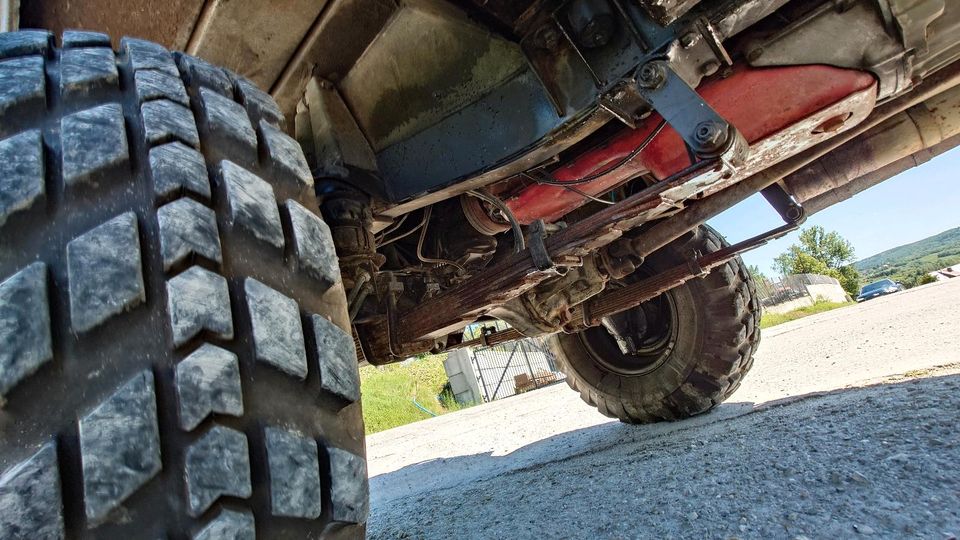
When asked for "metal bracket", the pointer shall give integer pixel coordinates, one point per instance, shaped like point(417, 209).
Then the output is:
point(790, 210)
point(703, 130)
point(591, 312)
point(538, 247)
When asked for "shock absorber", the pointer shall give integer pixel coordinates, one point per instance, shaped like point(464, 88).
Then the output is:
point(350, 218)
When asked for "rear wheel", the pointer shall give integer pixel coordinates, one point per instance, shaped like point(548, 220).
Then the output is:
point(675, 356)
point(175, 353)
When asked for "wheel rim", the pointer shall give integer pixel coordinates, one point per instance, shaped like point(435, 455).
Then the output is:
point(650, 348)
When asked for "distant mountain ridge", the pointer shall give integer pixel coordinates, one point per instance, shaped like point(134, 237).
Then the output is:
point(937, 251)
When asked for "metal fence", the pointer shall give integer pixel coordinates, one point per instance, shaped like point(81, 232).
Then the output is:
point(512, 368)
point(789, 288)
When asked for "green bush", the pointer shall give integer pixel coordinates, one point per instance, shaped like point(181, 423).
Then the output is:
point(389, 392)
point(819, 306)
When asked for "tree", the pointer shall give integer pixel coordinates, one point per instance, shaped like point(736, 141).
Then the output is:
point(757, 274)
point(821, 252)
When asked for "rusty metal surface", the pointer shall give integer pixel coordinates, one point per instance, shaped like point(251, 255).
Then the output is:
point(851, 188)
point(331, 46)
point(629, 296)
point(453, 309)
point(517, 273)
point(752, 100)
point(253, 37)
point(169, 22)
point(426, 63)
point(919, 127)
point(667, 11)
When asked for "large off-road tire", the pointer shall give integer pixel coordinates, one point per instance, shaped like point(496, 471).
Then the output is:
point(175, 354)
point(707, 332)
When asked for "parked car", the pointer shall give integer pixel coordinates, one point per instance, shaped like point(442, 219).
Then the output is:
point(879, 288)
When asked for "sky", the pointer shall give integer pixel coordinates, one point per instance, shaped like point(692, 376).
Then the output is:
point(911, 206)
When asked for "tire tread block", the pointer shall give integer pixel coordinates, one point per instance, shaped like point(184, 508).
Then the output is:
point(229, 525)
point(165, 121)
point(277, 330)
point(216, 465)
point(93, 141)
point(198, 300)
point(337, 355)
point(87, 68)
point(251, 203)
point(24, 42)
point(294, 474)
point(148, 55)
point(208, 381)
point(285, 153)
point(25, 342)
point(313, 245)
point(153, 84)
point(119, 446)
point(259, 104)
point(177, 168)
point(22, 82)
point(200, 73)
point(104, 272)
point(30, 498)
point(21, 172)
point(72, 39)
point(187, 228)
point(349, 494)
point(226, 119)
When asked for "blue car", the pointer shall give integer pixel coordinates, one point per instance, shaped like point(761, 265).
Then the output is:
point(879, 288)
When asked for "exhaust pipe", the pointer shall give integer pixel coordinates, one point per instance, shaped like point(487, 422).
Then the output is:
point(906, 134)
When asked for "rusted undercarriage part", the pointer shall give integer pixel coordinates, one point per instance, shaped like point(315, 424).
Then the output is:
point(822, 100)
point(517, 274)
point(898, 41)
point(875, 157)
point(921, 127)
point(514, 276)
point(861, 183)
point(591, 312)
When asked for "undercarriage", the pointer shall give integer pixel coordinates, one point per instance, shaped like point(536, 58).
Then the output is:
point(519, 192)
point(506, 159)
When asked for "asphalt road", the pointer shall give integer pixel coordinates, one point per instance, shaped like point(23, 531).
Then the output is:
point(847, 426)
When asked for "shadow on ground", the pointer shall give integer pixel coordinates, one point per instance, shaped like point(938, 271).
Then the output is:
point(878, 458)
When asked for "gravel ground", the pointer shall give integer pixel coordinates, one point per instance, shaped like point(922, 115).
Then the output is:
point(823, 441)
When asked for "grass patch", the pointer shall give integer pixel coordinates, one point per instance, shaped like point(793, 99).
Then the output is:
point(389, 392)
point(819, 306)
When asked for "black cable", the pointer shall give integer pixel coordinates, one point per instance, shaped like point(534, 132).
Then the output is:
point(591, 177)
point(519, 243)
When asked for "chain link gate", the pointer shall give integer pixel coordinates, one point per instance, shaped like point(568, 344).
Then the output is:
point(515, 367)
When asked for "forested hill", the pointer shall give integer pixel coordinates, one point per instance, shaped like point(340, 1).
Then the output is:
point(919, 257)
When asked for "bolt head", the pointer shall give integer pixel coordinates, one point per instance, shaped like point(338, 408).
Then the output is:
point(709, 68)
point(547, 38)
point(710, 136)
point(652, 75)
point(597, 32)
point(754, 54)
point(688, 40)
